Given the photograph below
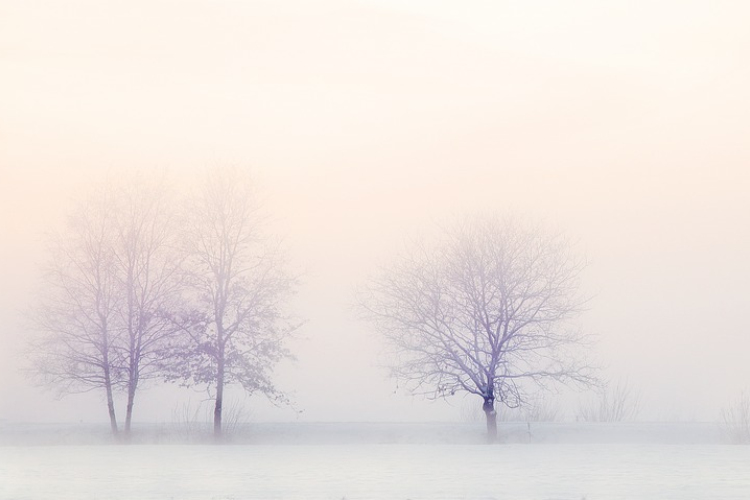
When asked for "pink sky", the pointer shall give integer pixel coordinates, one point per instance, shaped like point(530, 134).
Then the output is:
point(625, 125)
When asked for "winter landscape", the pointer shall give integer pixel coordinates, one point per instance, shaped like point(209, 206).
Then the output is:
point(374, 249)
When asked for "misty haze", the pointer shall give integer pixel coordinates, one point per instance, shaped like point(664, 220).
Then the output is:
point(374, 249)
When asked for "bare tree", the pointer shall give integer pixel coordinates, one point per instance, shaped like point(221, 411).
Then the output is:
point(485, 311)
point(77, 309)
point(149, 279)
point(110, 286)
point(237, 327)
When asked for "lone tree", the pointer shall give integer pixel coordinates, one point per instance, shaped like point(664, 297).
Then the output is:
point(77, 311)
point(149, 281)
point(484, 311)
point(236, 327)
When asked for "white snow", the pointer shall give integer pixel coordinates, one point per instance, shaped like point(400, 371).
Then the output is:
point(515, 471)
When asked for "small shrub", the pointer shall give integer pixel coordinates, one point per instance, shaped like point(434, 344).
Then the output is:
point(736, 419)
point(612, 404)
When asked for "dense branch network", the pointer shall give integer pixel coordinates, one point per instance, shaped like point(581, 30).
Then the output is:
point(483, 311)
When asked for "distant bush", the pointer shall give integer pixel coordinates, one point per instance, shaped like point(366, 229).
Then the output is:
point(611, 404)
point(542, 410)
point(736, 419)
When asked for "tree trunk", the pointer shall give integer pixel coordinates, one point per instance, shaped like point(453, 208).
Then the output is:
point(134, 376)
point(491, 414)
point(108, 374)
point(132, 361)
point(219, 398)
point(129, 408)
point(110, 402)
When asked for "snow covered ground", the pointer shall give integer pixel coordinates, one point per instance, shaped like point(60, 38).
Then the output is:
point(365, 470)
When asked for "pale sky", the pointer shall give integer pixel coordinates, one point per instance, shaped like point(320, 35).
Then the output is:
point(624, 124)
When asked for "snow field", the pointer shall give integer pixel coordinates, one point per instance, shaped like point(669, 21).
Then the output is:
point(370, 471)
